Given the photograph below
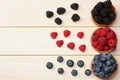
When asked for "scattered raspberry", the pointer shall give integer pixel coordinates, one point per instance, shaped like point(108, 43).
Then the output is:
point(71, 45)
point(112, 42)
point(59, 43)
point(80, 35)
point(82, 48)
point(95, 43)
point(53, 35)
point(66, 33)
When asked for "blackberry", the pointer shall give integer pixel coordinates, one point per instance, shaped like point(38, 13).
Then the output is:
point(61, 10)
point(74, 6)
point(80, 63)
point(104, 12)
point(75, 17)
point(60, 59)
point(99, 6)
point(108, 4)
point(94, 12)
point(112, 16)
point(98, 19)
point(88, 72)
point(74, 72)
point(49, 14)
point(70, 63)
point(107, 20)
point(49, 65)
point(60, 70)
point(58, 21)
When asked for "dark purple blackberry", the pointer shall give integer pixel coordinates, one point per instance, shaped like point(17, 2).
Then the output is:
point(74, 72)
point(108, 4)
point(94, 12)
point(99, 6)
point(61, 10)
point(104, 65)
point(74, 6)
point(107, 20)
point(112, 16)
point(58, 21)
point(104, 12)
point(49, 14)
point(49, 65)
point(98, 19)
point(60, 70)
point(75, 17)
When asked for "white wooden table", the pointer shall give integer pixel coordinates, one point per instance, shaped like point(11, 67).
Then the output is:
point(25, 44)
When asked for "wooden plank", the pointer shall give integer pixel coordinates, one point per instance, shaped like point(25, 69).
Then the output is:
point(34, 68)
point(32, 12)
point(36, 41)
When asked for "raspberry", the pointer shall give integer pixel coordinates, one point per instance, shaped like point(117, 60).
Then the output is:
point(111, 35)
point(59, 43)
point(99, 48)
point(82, 48)
point(75, 17)
point(102, 41)
point(66, 33)
point(53, 35)
point(71, 45)
point(106, 48)
point(112, 48)
point(80, 35)
point(103, 33)
point(98, 32)
point(106, 29)
point(112, 42)
point(61, 10)
point(94, 38)
point(95, 43)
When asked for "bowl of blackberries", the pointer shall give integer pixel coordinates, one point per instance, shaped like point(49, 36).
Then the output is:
point(103, 13)
point(104, 66)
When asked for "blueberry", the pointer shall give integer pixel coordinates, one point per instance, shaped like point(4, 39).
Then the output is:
point(49, 65)
point(88, 72)
point(97, 74)
point(75, 17)
point(107, 69)
point(96, 57)
point(112, 68)
point(99, 65)
point(112, 61)
point(109, 56)
point(60, 59)
point(103, 57)
point(98, 19)
point(101, 74)
point(80, 63)
point(70, 63)
point(74, 72)
point(95, 62)
point(74, 6)
point(58, 21)
point(49, 14)
point(97, 69)
point(107, 76)
point(108, 63)
point(115, 66)
point(60, 70)
point(61, 10)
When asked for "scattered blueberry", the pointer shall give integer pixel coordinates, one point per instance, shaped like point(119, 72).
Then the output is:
point(74, 6)
point(80, 63)
point(60, 59)
point(75, 17)
point(49, 65)
point(74, 72)
point(70, 63)
point(60, 70)
point(58, 21)
point(88, 72)
point(49, 14)
point(61, 10)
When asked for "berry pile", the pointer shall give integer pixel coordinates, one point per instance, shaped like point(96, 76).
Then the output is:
point(104, 13)
point(104, 39)
point(61, 11)
point(70, 63)
point(70, 45)
point(104, 65)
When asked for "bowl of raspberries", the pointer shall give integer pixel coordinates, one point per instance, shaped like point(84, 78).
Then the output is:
point(103, 13)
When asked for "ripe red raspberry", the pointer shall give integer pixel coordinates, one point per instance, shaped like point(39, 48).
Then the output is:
point(106, 48)
point(71, 45)
point(103, 33)
point(95, 43)
point(59, 43)
point(102, 41)
point(113, 48)
point(94, 38)
point(80, 35)
point(112, 42)
point(82, 48)
point(66, 33)
point(98, 32)
point(53, 35)
point(106, 29)
point(99, 48)
point(111, 35)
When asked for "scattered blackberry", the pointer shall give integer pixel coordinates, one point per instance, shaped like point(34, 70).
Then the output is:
point(60, 59)
point(58, 21)
point(70, 63)
point(80, 63)
point(74, 72)
point(74, 6)
point(75, 17)
point(98, 19)
point(49, 14)
point(49, 65)
point(61, 10)
point(60, 70)
point(104, 65)
point(88, 72)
